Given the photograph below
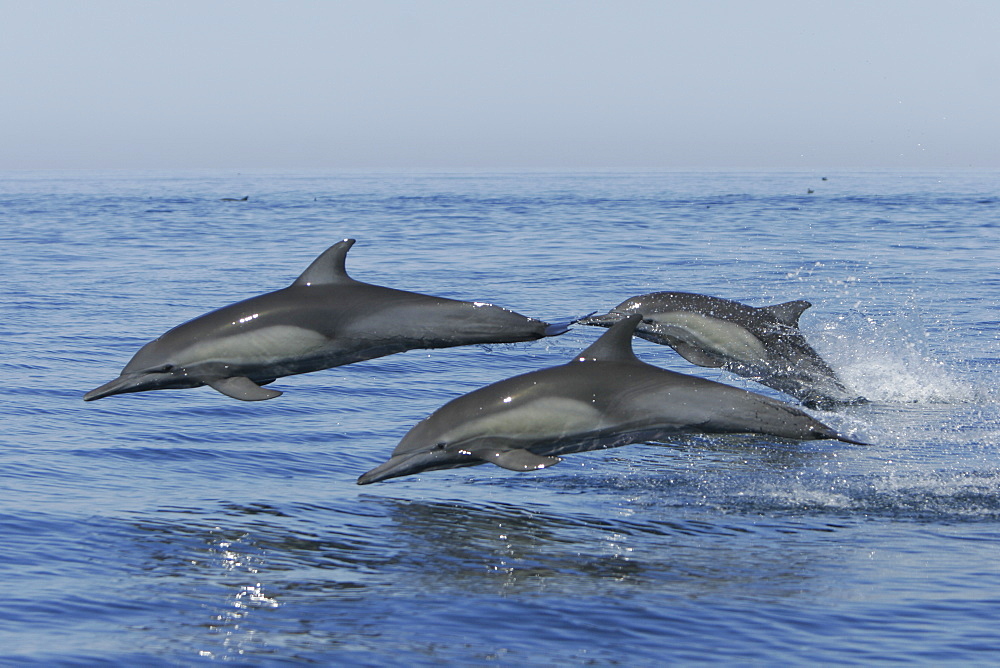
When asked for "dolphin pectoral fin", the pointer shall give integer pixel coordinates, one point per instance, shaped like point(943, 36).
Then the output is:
point(242, 388)
point(696, 355)
point(517, 459)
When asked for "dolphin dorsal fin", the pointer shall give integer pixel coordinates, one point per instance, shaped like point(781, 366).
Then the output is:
point(789, 312)
point(615, 345)
point(329, 267)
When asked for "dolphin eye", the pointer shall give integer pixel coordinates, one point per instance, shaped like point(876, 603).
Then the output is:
point(166, 368)
point(439, 446)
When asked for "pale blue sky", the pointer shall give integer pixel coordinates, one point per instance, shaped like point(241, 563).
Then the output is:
point(448, 84)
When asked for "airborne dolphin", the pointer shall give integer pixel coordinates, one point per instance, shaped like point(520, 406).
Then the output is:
point(604, 398)
point(763, 344)
point(324, 319)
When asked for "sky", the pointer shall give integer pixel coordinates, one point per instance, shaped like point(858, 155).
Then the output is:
point(491, 84)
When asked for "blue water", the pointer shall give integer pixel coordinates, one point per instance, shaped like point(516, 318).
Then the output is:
point(182, 527)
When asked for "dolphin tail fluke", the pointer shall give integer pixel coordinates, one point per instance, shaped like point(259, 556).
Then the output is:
point(557, 328)
point(242, 388)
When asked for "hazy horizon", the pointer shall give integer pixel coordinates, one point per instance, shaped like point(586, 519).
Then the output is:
point(467, 86)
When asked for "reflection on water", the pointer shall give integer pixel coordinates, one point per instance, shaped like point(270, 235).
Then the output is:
point(507, 550)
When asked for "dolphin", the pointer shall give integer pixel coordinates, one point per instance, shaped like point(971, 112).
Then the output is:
point(322, 320)
point(604, 398)
point(235, 199)
point(763, 344)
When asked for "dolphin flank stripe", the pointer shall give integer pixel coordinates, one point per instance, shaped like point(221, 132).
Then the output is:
point(717, 336)
point(545, 416)
point(257, 345)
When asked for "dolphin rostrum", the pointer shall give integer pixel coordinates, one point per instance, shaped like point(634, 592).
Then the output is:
point(604, 398)
point(322, 320)
point(763, 344)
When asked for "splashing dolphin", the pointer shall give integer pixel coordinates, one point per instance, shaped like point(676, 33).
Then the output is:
point(763, 344)
point(604, 398)
point(324, 319)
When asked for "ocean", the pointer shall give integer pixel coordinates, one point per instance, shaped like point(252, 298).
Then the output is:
point(181, 527)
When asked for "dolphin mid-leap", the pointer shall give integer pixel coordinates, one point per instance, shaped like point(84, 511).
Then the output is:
point(324, 319)
point(604, 398)
point(763, 344)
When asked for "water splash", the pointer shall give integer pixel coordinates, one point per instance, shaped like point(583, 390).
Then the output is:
point(889, 360)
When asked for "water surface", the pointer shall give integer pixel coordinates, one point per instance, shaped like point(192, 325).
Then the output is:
point(181, 527)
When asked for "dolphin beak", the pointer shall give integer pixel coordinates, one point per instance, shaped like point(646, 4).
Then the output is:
point(416, 462)
point(120, 385)
point(605, 320)
point(396, 466)
point(106, 390)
